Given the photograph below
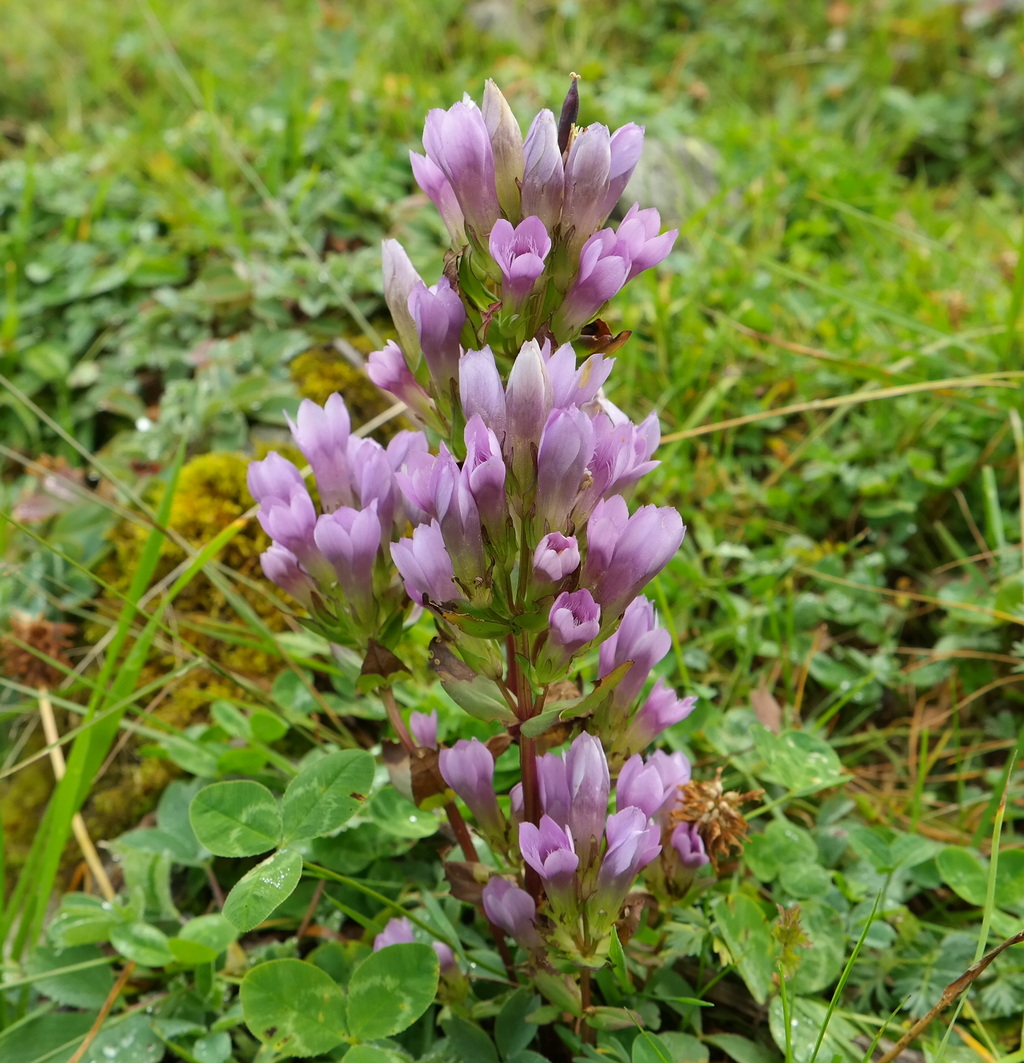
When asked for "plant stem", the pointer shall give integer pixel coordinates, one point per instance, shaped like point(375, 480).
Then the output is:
point(587, 1032)
point(387, 695)
point(458, 825)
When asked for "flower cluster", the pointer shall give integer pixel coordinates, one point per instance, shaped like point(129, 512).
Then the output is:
point(506, 517)
point(527, 217)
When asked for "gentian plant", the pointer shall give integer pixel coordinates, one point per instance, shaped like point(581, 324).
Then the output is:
point(505, 517)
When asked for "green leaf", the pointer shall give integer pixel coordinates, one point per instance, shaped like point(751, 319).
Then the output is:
point(807, 1018)
point(214, 931)
point(745, 930)
point(84, 920)
point(44, 1037)
point(213, 1048)
point(467, 1043)
point(869, 844)
point(85, 988)
point(326, 794)
point(649, 1048)
point(399, 817)
point(475, 694)
point(236, 818)
point(821, 964)
point(144, 944)
point(742, 1050)
point(293, 1007)
point(374, 1054)
point(967, 875)
point(964, 873)
point(130, 1038)
point(805, 880)
point(512, 1031)
point(797, 760)
point(259, 891)
point(266, 727)
point(391, 989)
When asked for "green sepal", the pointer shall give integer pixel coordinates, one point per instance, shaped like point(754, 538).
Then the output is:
point(573, 708)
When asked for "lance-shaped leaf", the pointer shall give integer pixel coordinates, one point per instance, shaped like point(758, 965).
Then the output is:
point(573, 708)
point(474, 693)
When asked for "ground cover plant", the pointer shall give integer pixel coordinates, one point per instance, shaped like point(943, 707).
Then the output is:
point(192, 205)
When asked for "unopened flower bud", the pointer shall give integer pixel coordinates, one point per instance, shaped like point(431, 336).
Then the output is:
point(468, 768)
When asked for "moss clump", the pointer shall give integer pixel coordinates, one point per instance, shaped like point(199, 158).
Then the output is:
point(210, 494)
point(321, 371)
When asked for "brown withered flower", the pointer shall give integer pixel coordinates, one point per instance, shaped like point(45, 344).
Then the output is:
point(716, 812)
point(25, 649)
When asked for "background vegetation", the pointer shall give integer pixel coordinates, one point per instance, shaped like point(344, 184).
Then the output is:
point(192, 198)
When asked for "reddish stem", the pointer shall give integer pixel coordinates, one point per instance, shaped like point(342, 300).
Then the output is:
point(462, 835)
point(387, 695)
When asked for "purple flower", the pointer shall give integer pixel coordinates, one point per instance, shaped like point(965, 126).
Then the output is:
point(281, 567)
point(484, 471)
point(423, 726)
point(520, 255)
point(653, 787)
point(661, 710)
point(625, 552)
point(373, 478)
point(403, 448)
point(622, 452)
point(603, 270)
point(400, 277)
point(439, 316)
point(424, 565)
point(432, 180)
point(399, 932)
point(689, 847)
point(571, 386)
point(506, 146)
point(441, 489)
point(556, 556)
point(481, 390)
point(458, 142)
point(528, 401)
point(638, 639)
point(389, 370)
point(549, 850)
point(574, 621)
point(322, 434)
point(512, 910)
point(633, 842)
point(597, 170)
point(586, 770)
point(292, 524)
point(638, 234)
point(468, 768)
point(274, 479)
point(544, 176)
point(566, 447)
point(349, 539)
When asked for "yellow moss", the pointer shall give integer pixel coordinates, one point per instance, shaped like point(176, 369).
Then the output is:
point(321, 371)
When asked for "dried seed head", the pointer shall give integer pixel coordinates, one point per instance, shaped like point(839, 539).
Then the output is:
point(31, 641)
point(716, 813)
